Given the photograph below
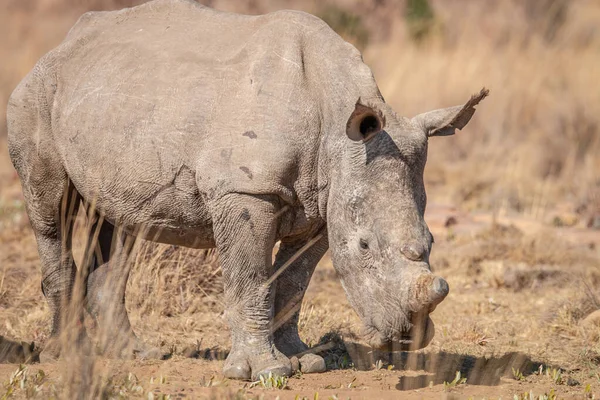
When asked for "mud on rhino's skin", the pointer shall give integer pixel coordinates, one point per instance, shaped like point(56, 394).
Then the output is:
point(194, 127)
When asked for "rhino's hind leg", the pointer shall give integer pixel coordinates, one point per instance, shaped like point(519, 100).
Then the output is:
point(291, 286)
point(52, 203)
point(109, 263)
point(245, 228)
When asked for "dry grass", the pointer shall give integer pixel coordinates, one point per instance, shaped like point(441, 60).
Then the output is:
point(505, 257)
point(530, 154)
point(535, 142)
point(174, 306)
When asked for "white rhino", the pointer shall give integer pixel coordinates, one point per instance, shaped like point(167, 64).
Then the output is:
point(180, 124)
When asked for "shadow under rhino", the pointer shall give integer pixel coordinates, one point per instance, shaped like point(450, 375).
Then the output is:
point(12, 352)
point(441, 367)
point(432, 368)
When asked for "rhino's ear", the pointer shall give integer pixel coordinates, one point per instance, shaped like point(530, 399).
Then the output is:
point(445, 121)
point(365, 122)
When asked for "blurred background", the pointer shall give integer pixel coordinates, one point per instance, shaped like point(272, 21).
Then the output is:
point(514, 199)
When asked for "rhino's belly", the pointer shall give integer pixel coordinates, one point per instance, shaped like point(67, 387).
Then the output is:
point(173, 212)
point(177, 221)
point(197, 238)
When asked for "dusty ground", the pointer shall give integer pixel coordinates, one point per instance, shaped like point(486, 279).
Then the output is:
point(520, 290)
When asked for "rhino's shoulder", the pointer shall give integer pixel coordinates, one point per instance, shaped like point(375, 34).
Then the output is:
point(85, 23)
point(303, 20)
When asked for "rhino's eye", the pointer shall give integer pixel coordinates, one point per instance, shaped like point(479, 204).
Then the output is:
point(363, 244)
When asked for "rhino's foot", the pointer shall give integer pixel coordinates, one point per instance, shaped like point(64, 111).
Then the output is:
point(247, 365)
point(290, 345)
point(237, 367)
point(312, 363)
point(53, 349)
point(146, 352)
point(128, 347)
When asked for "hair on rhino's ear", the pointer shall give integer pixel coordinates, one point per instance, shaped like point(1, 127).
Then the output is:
point(364, 122)
point(445, 121)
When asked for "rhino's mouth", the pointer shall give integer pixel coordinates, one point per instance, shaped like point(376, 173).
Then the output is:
point(418, 336)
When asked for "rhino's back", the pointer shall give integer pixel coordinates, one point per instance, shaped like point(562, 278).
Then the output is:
point(181, 65)
point(173, 91)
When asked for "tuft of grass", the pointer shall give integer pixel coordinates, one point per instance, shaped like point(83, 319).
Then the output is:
point(457, 381)
point(531, 396)
point(336, 356)
point(555, 375)
point(271, 382)
point(160, 396)
point(123, 387)
point(212, 382)
point(24, 383)
point(517, 374)
point(587, 393)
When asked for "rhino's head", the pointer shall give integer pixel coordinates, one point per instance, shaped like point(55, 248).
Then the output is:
point(380, 243)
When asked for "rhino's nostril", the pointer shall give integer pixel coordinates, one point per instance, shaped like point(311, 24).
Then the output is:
point(413, 252)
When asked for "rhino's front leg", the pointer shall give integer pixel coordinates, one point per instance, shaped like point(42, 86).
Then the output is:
point(245, 229)
point(299, 259)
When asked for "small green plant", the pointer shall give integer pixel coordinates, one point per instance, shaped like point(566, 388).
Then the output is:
point(587, 393)
point(316, 397)
point(123, 387)
point(271, 382)
point(340, 362)
point(336, 356)
point(22, 380)
point(517, 374)
point(531, 396)
point(351, 384)
point(458, 380)
point(379, 365)
point(212, 382)
point(160, 396)
point(159, 381)
point(555, 375)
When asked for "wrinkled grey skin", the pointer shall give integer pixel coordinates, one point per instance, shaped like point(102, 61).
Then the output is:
point(180, 124)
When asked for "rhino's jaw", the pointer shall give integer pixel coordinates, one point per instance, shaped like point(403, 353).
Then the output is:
point(417, 336)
